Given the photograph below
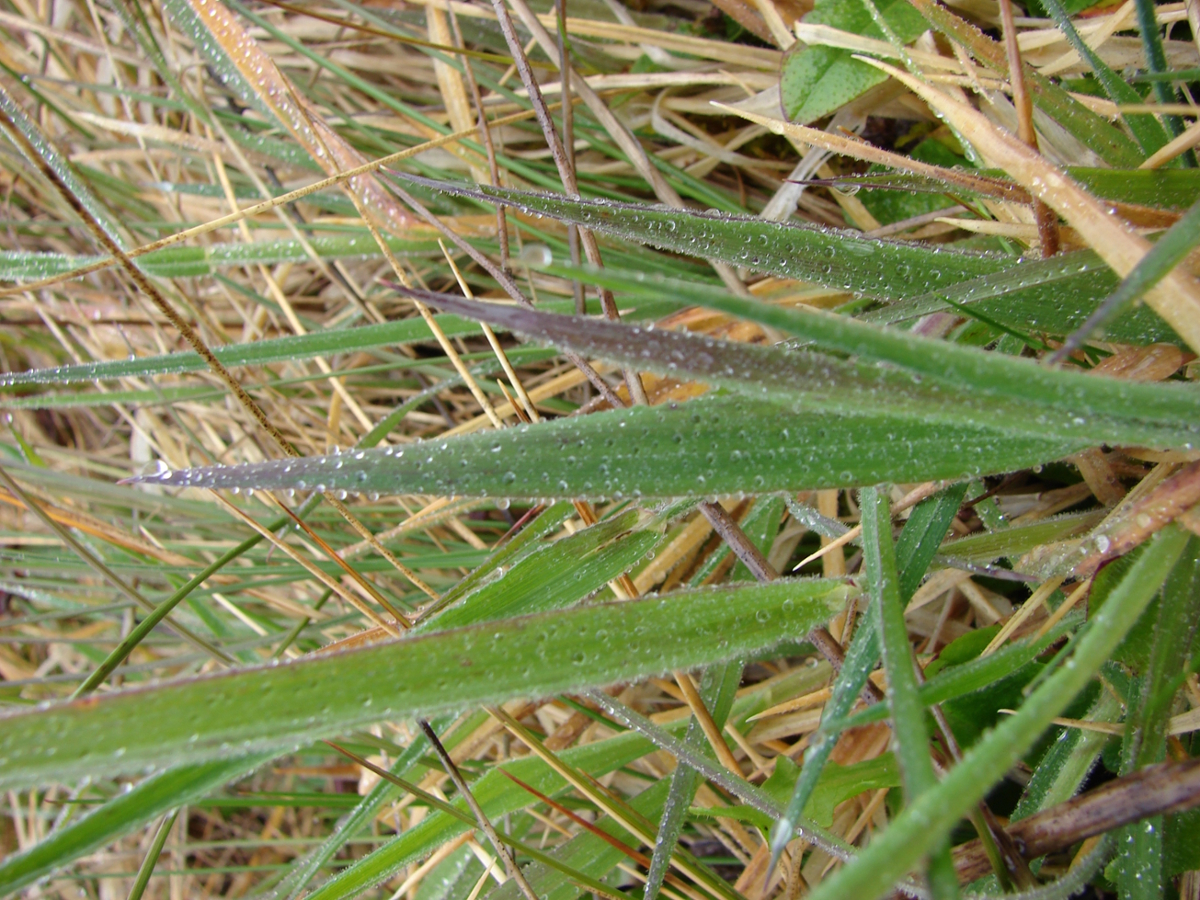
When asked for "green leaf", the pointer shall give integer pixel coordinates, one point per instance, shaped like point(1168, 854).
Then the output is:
point(700, 448)
point(258, 709)
point(554, 575)
point(1054, 294)
point(837, 784)
point(911, 733)
point(816, 81)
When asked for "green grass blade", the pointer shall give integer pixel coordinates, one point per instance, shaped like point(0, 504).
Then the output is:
point(152, 854)
point(700, 448)
point(907, 711)
point(919, 540)
point(498, 795)
point(285, 349)
point(927, 821)
point(195, 262)
point(1168, 252)
point(306, 867)
point(1073, 394)
point(965, 678)
point(1145, 128)
point(585, 852)
point(550, 577)
point(1045, 296)
point(256, 709)
point(828, 257)
point(121, 815)
point(815, 381)
point(1052, 294)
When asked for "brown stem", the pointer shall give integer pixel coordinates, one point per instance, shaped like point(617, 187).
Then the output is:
point(1154, 791)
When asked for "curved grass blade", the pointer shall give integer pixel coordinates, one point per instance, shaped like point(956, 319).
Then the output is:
point(927, 821)
point(712, 446)
point(258, 709)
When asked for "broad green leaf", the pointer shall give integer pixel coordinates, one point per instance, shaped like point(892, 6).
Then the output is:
point(126, 812)
point(816, 81)
point(710, 446)
point(258, 709)
point(925, 823)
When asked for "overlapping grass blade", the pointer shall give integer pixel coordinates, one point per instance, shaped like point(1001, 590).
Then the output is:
point(954, 365)
point(1052, 295)
point(823, 382)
